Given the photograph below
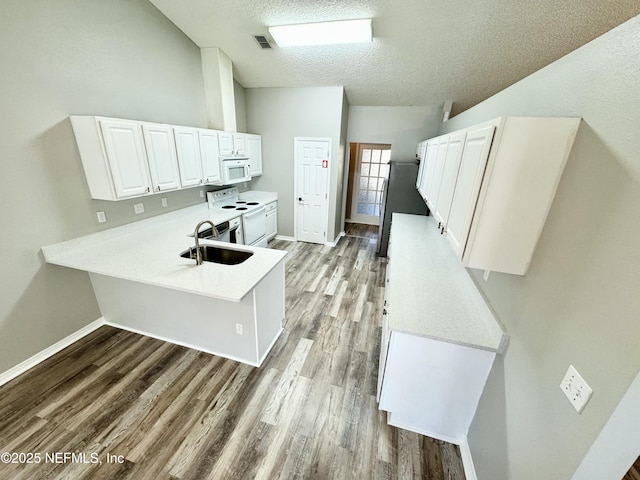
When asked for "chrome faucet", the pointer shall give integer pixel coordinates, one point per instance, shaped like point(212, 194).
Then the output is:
point(195, 234)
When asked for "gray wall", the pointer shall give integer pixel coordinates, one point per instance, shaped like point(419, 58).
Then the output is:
point(241, 107)
point(279, 115)
point(402, 127)
point(119, 58)
point(579, 302)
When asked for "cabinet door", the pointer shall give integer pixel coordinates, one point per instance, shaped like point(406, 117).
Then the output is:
point(272, 223)
point(449, 177)
point(210, 155)
point(225, 143)
point(126, 157)
point(239, 143)
point(429, 160)
point(433, 189)
point(254, 152)
point(472, 165)
point(189, 160)
point(420, 155)
point(161, 152)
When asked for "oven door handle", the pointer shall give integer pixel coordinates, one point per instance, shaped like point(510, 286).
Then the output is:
point(259, 211)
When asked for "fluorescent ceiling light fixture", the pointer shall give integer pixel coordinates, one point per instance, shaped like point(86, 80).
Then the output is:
point(324, 33)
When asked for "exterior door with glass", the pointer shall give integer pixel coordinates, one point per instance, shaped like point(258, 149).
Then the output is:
point(372, 170)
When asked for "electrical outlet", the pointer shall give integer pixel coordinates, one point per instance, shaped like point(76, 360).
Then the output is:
point(486, 275)
point(239, 328)
point(201, 193)
point(102, 217)
point(164, 202)
point(138, 208)
point(576, 389)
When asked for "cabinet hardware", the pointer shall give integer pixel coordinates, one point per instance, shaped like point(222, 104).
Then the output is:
point(384, 311)
point(148, 189)
point(442, 230)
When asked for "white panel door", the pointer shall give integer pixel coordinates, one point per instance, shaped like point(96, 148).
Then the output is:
point(161, 152)
point(189, 160)
point(472, 165)
point(126, 156)
point(312, 174)
point(449, 177)
point(210, 155)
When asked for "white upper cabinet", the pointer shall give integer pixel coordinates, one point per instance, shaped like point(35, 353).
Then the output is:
point(210, 155)
point(239, 144)
point(113, 157)
point(448, 177)
point(225, 143)
point(471, 169)
point(254, 152)
point(189, 162)
point(493, 187)
point(161, 153)
point(435, 178)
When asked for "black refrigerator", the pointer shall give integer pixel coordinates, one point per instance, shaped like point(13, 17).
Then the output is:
point(399, 195)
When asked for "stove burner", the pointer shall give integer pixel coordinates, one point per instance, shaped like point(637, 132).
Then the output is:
point(253, 203)
point(241, 208)
point(228, 206)
point(241, 201)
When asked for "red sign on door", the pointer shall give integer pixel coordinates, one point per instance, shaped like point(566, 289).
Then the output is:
point(325, 163)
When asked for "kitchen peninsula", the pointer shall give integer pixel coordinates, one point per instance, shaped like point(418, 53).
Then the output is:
point(143, 285)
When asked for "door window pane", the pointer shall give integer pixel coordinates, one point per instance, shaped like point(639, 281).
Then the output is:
point(373, 170)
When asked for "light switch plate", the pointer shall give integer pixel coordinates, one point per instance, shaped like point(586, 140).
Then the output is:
point(576, 389)
point(138, 208)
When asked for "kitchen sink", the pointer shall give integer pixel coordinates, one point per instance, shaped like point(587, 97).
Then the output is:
point(210, 253)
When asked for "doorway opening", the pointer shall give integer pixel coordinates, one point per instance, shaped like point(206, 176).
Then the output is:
point(368, 170)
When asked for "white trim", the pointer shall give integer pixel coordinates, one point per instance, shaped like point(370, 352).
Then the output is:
point(41, 356)
point(329, 140)
point(361, 223)
point(335, 242)
point(182, 344)
point(285, 238)
point(444, 438)
point(467, 461)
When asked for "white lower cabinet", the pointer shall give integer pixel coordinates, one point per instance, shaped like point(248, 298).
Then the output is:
point(429, 386)
point(272, 219)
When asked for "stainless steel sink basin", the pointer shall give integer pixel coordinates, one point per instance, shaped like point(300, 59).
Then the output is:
point(210, 253)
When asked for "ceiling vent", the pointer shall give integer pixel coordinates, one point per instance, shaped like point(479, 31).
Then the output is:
point(262, 41)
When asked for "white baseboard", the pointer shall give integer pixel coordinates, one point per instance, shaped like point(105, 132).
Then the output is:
point(49, 351)
point(335, 242)
point(285, 238)
point(182, 344)
point(467, 461)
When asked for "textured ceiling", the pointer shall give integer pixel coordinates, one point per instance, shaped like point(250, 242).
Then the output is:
point(424, 51)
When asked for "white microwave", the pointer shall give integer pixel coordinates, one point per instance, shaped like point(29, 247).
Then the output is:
point(234, 170)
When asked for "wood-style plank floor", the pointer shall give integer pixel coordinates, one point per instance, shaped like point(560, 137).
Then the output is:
point(132, 407)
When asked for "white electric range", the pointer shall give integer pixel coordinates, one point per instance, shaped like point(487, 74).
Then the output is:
point(254, 220)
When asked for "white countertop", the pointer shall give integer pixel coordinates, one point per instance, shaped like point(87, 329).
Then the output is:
point(148, 252)
point(430, 292)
